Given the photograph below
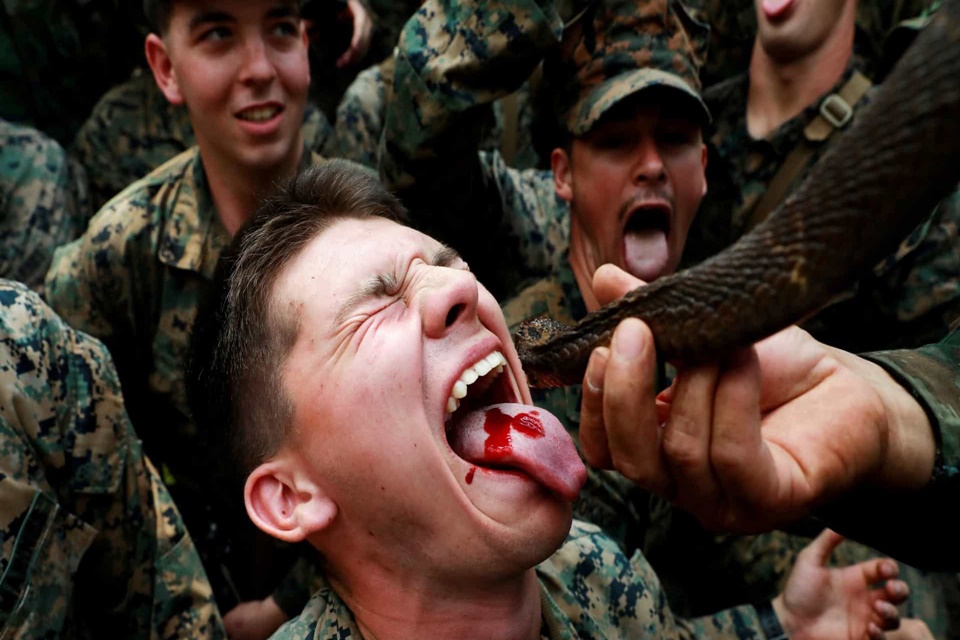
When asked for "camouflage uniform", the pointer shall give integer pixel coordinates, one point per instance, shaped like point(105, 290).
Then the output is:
point(92, 545)
point(44, 202)
point(135, 280)
point(588, 589)
point(57, 57)
point(133, 129)
point(360, 121)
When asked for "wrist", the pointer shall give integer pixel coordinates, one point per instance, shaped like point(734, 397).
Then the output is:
point(774, 618)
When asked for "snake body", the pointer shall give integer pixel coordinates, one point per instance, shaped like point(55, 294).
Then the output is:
point(873, 186)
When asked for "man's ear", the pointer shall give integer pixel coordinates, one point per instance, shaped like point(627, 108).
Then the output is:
point(282, 503)
point(159, 60)
point(562, 182)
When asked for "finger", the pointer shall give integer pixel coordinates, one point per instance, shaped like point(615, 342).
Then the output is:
point(629, 406)
point(875, 571)
point(874, 632)
point(686, 441)
point(744, 465)
point(890, 616)
point(611, 282)
point(819, 551)
point(593, 434)
point(896, 591)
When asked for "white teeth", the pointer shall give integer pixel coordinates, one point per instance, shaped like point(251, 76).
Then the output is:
point(484, 366)
point(259, 115)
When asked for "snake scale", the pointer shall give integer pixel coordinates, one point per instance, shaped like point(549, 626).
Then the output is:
point(869, 190)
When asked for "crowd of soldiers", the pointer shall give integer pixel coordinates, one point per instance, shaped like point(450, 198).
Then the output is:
point(541, 140)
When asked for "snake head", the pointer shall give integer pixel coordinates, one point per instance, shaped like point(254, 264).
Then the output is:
point(530, 339)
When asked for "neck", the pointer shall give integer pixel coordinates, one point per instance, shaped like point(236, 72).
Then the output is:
point(236, 190)
point(582, 264)
point(781, 90)
point(386, 608)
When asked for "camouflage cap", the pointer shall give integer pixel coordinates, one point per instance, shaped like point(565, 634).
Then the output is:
point(618, 48)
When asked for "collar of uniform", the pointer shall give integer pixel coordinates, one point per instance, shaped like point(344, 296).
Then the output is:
point(193, 235)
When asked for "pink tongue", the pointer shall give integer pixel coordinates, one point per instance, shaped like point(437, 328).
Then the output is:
point(774, 8)
point(646, 254)
point(522, 437)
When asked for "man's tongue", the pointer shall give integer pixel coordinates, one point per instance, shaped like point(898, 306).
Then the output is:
point(645, 253)
point(774, 9)
point(518, 436)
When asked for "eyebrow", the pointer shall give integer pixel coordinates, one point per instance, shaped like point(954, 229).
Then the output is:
point(209, 17)
point(285, 10)
point(381, 284)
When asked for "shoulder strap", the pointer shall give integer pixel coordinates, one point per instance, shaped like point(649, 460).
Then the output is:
point(836, 110)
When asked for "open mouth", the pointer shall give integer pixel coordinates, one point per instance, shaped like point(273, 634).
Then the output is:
point(480, 385)
point(259, 114)
point(649, 218)
point(487, 428)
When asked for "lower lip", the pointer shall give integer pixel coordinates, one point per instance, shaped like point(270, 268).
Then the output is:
point(262, 128)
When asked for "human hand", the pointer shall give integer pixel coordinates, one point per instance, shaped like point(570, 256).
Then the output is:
point(254, 620)
point(824, 603)
point(362, 34)
point(756, 441)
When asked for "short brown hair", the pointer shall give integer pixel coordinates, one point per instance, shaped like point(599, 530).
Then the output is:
point(240, 338)
point(158, 14)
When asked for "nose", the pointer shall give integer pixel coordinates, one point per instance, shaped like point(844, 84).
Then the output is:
point(649, 167)
point(257, 66)
point(448, 300)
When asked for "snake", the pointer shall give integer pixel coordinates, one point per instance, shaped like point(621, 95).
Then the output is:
point(882, 176)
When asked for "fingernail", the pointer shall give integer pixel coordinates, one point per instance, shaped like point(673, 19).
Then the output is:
point(596, 368)
point(628, 340)
point(889, 569)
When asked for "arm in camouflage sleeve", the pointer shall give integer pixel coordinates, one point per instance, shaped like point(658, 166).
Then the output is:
point(98, 283)
point(76, 487)
point(452, 62)
point(922, 530)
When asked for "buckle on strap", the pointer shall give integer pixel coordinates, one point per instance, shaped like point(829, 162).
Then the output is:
point(836, 111)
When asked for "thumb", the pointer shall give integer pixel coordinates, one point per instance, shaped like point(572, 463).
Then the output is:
point(823, 545)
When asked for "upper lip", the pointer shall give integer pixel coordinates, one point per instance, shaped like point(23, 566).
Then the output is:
point(480, 350)
point(651, 203)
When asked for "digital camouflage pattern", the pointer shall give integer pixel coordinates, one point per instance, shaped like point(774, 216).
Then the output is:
point(44, 202)
point(57, 57)
point(92, 545)
point(135, 280)
point(360, 121)
point(589, 590)
point(133, 129)
point(910, 298)
point(619, 49)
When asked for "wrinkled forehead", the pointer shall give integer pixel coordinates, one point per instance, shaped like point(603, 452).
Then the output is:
point(343, 257)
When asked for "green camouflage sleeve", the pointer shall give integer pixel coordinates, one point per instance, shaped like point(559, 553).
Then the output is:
point(452, 62)
point(93, 280)
point(923, 533)
point(598, 592)
point(92, 545)
point(44, 198)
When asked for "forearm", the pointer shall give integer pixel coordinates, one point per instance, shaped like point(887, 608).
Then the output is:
point(452, 60)
point(921, 533)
